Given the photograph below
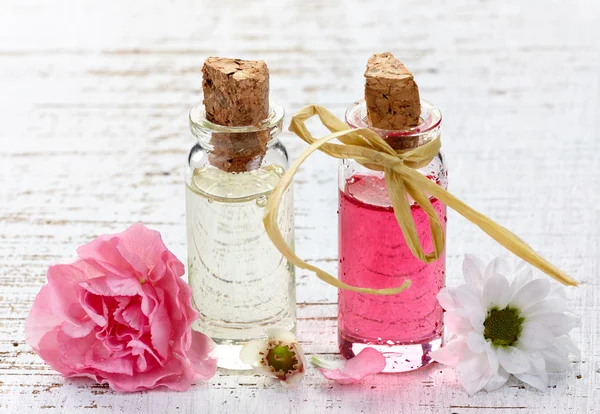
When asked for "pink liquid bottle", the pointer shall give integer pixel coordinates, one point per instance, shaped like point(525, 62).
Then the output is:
point(373, 253)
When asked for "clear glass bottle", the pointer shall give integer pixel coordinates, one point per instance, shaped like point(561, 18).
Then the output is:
point(373, 253)
point(240, 282)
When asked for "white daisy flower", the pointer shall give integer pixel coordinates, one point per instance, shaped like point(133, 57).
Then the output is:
point(501, 328)
point(278, 356)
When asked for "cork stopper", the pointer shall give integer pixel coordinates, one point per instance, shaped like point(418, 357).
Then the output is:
point(236, 93)
point(392, 98)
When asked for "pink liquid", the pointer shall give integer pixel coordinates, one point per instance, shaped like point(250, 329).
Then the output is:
point(373, 253)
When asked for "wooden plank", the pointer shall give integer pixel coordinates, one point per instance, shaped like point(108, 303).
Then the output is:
point(94, 98)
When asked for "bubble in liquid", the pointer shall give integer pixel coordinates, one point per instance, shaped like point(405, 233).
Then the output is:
point(261, 201)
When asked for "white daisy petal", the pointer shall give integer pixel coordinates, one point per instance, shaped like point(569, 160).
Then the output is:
point(538, 380)
point(558, 323)
point(556, 360)
point(472, 367)
point(492, 356)
point(534, 335)
point(468, 297)
point(523, 275)
point(477, 319)
point(476, 342)
point(537, 361)
point(558, 292)
point(250, 352)
point(531, 293)
point(521, 266)
point(544, 323)
point(496, 266)
point(496, 292)
point(479, 383)
point(447, 299)
point(550, 304)
point(497, 380)
point(566, 343)
point(512, 359)
point(473, 269)
point(450, 353)
point(281, 335)
point(456, 325)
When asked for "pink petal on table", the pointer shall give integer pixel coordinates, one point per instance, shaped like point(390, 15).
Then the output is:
point(368, 361)
point(202, 360)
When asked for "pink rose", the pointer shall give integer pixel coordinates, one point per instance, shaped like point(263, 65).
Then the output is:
point(121, 314)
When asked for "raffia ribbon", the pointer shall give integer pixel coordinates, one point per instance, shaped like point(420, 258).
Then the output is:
point(402, 180)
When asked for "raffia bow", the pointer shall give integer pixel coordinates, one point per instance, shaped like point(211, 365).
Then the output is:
point(402, 180)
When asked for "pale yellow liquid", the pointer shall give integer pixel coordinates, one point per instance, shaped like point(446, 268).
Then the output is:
point(241, 284)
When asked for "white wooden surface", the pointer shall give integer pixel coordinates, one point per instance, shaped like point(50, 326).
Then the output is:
point(93, 103)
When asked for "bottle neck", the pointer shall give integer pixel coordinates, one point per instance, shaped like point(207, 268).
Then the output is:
point(236, 148)
point(428, 128)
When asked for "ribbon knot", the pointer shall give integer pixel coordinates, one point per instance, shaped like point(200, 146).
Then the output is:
point(402, 181)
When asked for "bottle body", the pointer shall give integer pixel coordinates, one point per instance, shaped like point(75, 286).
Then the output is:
point(240, 282)
point(373, 253)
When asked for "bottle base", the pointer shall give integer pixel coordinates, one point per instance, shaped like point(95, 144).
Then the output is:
point(399, 357)
point(228, 354)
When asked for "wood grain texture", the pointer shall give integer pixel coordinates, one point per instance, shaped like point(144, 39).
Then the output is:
point(93, 101)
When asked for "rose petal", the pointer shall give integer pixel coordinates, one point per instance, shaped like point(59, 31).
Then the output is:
point(63, 281)
point(113, 286)
point(41, 319)
point(93, 306)
point(368, 361)
point(102, 251)
point(142, 248)
point(160, 327)
point(133, 316)
point(122, 316)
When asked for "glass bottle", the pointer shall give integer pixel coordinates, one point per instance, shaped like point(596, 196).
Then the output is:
point(240, 282)
point(373, 253)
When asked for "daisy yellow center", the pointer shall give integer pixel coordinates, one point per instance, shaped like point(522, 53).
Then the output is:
point(502, 326)
point(282, 359)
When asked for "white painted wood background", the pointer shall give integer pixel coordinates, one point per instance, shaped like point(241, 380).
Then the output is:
point(93, 104)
